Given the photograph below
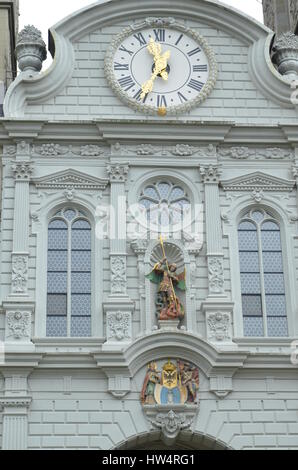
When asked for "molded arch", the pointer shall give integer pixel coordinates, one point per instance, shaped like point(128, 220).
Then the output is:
point(183, 345)
point(185, 441)
point(163, 174)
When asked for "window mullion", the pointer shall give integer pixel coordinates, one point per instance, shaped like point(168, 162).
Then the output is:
point(69, 282)
point(262, 280)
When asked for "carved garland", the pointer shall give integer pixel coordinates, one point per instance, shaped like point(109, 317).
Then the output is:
point(170, 23)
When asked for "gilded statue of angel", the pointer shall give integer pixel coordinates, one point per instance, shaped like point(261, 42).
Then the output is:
point(165, 275)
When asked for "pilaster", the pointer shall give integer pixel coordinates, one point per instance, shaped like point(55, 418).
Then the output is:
point(217, 308)
point(119, 307)
point(15, 405)
point(210, 176)
point(18, 306)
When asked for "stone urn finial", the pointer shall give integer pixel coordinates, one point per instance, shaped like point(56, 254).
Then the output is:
point(285, 55)
point(31, 49)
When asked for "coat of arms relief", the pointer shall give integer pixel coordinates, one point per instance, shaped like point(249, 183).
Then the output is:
point(169, 397)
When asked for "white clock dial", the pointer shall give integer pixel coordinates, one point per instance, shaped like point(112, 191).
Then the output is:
point(190, 69)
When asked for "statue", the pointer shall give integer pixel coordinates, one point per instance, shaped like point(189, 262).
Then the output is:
point(165, 275)
point(177, 383)
point(151, 379)
point(189, 377)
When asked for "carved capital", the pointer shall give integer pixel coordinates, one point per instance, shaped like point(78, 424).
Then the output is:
point(210, 174)
point(16, 402)
point(139, 246)
point(118, 173)
point(22, 171)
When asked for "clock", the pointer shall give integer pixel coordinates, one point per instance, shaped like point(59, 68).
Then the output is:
point(161, 67)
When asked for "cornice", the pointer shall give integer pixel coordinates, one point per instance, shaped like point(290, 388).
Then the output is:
point(133, 130)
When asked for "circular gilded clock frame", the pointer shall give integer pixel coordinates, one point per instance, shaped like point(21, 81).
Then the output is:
point(169, 23)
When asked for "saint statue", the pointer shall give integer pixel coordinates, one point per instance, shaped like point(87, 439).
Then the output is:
point(165, 275)
point(151, 379)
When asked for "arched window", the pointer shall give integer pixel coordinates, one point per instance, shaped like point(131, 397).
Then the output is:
point(167, 206)
point(262, 278)
point(69, 275)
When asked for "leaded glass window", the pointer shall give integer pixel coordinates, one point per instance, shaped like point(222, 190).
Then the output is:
point(167, 206)
point(69, 275)
point(262, 277)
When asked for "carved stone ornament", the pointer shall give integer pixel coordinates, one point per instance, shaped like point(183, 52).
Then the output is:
point(118, 275)
point(244, 153)
point(22, 171)
point(119, 326)
point(219, 327)
point(55, 150)
point(216, 275)
point(171, 424)
point(285, 55)
point(118, 173)
point(31, 49)
point(18, 325)
point(19, 274)
point(169, 23)
point(179, 150)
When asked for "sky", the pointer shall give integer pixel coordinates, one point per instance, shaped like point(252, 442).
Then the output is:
point(44, 14)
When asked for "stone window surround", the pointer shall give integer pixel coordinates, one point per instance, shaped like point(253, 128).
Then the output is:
point(230, 230)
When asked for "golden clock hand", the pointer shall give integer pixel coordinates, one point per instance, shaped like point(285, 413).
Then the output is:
point(160, 62)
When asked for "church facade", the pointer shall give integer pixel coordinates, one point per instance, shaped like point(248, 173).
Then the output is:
point(149, 247)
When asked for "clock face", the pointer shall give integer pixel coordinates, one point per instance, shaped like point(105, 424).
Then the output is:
point(189, 65)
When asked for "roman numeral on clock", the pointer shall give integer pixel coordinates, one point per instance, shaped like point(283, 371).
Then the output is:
point(200, 68)
point(126, 82)
point(123, 49)
point(140, 38)
point(161, 101)
point(137, 96)
point(182, 97)
point(179, 39)
point(196, 85)
point(194, 51)
point(160, 35)
point(118, 66)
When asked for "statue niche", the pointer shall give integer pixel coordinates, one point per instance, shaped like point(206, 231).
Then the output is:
point(168, 275)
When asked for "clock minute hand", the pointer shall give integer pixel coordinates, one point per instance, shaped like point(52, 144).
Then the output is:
point(160, 62)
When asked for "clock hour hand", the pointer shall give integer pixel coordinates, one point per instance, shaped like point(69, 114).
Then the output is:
point(160, 66)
